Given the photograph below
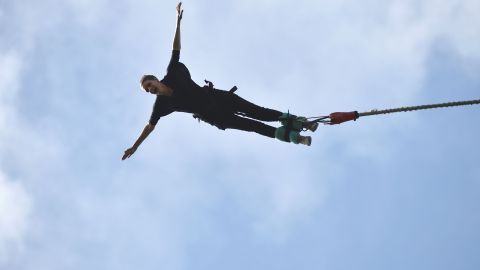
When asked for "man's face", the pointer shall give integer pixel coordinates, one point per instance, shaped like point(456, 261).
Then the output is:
point(151, 86)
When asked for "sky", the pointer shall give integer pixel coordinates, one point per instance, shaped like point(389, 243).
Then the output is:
point(397, 191)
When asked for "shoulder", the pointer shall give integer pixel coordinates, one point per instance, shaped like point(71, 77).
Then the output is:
point(162, 107)
point(162, 101)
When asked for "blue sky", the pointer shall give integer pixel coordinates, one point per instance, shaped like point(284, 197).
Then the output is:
point(388, 192)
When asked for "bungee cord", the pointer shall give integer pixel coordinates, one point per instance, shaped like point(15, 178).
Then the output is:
point(340, 117)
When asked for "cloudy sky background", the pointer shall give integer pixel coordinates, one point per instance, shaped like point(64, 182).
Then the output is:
point(388, 192)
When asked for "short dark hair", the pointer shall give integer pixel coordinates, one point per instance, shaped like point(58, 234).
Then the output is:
point(147, 77)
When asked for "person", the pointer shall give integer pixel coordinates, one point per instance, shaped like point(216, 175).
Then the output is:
point(177, 92)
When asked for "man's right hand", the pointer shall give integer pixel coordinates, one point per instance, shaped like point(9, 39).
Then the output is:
point(128, 153)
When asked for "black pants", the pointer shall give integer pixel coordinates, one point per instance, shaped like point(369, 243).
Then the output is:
point(228, 110)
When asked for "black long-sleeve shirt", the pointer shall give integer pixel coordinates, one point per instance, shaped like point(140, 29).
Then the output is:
point(187, 96)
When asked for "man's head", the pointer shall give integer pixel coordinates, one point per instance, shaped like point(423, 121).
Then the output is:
point(152, 85)
point(149, 83)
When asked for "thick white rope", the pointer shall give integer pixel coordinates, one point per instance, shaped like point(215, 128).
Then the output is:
point(422, 107)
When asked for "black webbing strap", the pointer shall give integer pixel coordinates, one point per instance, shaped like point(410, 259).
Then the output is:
point(209, 84)
point(288, 128)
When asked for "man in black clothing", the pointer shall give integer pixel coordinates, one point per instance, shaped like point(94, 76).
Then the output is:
point(177, 92)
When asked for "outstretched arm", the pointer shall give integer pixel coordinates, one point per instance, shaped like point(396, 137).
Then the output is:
point(176, 40)
point(146, 131)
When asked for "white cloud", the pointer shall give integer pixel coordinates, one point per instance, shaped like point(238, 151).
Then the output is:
point(289, 199)
point(369, 51)
point(9, 69)
point(330, 64)
point(17, 139)
point(457, 21)
point(15, 207)
point(91, 12)
point(15, 203)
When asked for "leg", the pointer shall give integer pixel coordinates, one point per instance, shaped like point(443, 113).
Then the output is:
point(245, 124)
point(242, 106)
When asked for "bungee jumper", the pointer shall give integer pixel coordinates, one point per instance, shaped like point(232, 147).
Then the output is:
point(177, 92)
